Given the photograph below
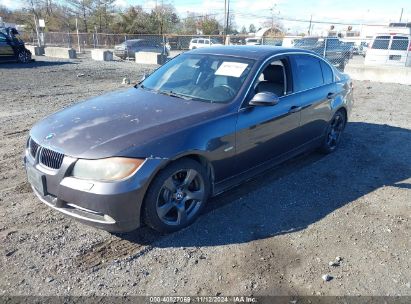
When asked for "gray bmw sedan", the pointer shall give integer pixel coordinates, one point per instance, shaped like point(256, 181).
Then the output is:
point(203, 122)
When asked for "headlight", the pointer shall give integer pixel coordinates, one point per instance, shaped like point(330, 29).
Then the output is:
point(106, 169)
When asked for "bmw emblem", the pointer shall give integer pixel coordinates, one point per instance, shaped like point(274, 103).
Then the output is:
point(50, 136)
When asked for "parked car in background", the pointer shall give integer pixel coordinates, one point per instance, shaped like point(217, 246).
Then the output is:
point(336, 51)
point(198, 43)
point(289, 41)
point(198, 125)
point(391, 48)
point(253, 41)
point(12, 48)
point(362, 50)
point(128, 48)
point(306, 43)
point(353, 46)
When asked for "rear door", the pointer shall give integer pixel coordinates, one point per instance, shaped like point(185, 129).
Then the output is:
point(378, 51)
point(6, 50)
point(398, 51)
point(315, 89)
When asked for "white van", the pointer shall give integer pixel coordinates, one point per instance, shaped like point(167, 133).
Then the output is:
point(390, 48)
point(197, 43)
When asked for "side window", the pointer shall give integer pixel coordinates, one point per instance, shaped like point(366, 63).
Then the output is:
point(309, 73)
point(201, 41)
point(381, 43)
point(399, 43)
point(2, 38)
point(273, 78)
point(194, 41)
point(328, 74)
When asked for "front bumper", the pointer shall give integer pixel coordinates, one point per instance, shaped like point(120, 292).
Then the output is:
point(112, 206)
point(123, 54)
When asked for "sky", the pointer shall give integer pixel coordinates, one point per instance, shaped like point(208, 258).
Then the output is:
point(258, 11)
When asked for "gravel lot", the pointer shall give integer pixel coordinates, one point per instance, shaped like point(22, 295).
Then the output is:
point(274, 235)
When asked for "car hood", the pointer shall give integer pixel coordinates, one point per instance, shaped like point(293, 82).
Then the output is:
point(109, 124)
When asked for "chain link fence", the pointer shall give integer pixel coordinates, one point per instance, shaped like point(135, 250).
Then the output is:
point(339, 51)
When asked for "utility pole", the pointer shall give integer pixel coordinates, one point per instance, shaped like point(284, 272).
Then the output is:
point(309, 27)
point(402, 10)
point(228, 16)
point(225, 20)
point(272, 17)
point(37, 30)
point(78, 36)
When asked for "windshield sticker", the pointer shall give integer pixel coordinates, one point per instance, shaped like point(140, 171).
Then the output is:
point(233, 69)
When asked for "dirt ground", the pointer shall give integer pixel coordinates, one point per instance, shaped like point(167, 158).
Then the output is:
point(274, 235)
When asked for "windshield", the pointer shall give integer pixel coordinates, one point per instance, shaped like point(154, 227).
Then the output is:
point(201, 77)
point(303, 42)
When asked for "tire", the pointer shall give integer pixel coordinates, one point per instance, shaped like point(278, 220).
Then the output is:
point(334, 132)
point(23, 56)
point(168, 205)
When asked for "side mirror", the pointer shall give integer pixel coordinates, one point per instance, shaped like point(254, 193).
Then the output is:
point(264, 99)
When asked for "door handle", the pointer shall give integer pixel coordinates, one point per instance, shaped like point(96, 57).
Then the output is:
point(331, 95)
point(295, 109)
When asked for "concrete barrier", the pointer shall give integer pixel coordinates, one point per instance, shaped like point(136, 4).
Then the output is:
point(60, 52)
point(35, 50)
point(150, 58)
point(101, 55)
point(390, 74)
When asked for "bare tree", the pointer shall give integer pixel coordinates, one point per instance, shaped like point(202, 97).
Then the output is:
point(82, 9)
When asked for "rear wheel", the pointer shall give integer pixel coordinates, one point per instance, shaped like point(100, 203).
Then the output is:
point(334, 131)
point(177, 196)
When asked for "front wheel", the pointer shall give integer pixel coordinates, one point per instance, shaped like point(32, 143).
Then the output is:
point(334, 131)
point(177, 196)
point(23, 57)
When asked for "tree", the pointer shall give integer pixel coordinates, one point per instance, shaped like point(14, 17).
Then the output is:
point(232, 27)
point(133, 21)
point(102, 14)
point(6, 14)
point(163, 19)
point(189, 25)
point(82, 9)
point(251, 28)
point(209, 26)
point(243, 30)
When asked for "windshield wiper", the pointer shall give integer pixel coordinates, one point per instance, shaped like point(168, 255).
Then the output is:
point(174, 94)
point(142, 86)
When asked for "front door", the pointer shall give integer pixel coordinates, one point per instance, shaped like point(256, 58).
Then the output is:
point(267, 132)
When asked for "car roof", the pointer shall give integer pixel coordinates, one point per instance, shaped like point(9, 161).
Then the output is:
point(256, 52)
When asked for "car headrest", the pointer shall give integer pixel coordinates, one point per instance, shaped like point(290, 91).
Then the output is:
point(274, 73)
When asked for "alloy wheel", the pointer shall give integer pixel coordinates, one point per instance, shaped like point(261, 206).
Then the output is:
point(180, 197)
point(335, 131)
point(23, 57)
